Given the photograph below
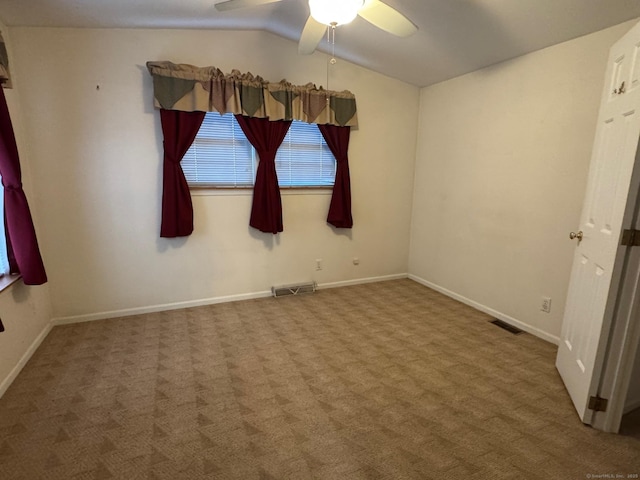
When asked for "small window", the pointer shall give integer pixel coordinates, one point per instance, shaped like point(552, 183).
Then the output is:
point(304, 158)
point(222, 157)
point(4, 259)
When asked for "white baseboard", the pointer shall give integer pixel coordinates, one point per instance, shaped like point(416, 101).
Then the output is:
point(204, 301)
point(6, 383)
point(345, 283)
point(359, 281)
point(489, 311)
point(125, 312)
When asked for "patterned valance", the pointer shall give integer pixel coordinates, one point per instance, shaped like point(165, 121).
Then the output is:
point(5, 78)
point(188, 88)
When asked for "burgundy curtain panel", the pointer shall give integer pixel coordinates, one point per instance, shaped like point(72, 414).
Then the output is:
point(22, 244)
point(265, 136)
point(179, 130)
point(337, 139)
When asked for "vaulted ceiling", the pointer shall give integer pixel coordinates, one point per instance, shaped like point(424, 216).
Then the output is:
point(454, 36)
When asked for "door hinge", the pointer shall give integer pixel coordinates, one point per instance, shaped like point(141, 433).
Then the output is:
point(598, 404)
point(630, 238)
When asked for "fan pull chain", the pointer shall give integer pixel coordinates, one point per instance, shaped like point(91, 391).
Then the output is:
point(331, 38)
point(333, 44)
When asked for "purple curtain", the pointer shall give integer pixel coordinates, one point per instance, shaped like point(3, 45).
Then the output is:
point(179, 130)
point(22, 245)
point(337, 139)
point(266, 137)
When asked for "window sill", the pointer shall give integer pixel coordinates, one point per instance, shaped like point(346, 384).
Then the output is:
point(243, 192)
point(7, 280)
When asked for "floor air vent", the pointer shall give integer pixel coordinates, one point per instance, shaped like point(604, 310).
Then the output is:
point(286, 290)
point(507, 327)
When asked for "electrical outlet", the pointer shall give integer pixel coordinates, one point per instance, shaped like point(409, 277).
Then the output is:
point(318, 264)
point(545, 305)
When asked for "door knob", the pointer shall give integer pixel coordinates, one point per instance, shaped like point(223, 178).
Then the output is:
point(574, 235)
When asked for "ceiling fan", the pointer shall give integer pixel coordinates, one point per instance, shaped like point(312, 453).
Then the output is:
point(332, 13)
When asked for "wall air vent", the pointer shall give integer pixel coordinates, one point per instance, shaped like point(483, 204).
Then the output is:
point(299, 289)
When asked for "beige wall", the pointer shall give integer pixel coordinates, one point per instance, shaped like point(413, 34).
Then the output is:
point(25, 311)
point(96, 156)
point(501, 166)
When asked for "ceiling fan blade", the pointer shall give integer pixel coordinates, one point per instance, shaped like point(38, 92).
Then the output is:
point(311, 35)
point(387, 18)
point(233, 4)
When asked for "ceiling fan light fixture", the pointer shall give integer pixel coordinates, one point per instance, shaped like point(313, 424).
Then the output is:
point(334, 12)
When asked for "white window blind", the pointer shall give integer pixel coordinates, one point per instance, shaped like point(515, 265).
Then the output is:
point(304, 159)
point(221, 156)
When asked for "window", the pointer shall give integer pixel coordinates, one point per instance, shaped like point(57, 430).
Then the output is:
point(304, 158)
point(221, 156)
point(4, 260)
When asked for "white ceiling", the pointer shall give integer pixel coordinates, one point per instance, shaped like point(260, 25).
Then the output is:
point(454, 37)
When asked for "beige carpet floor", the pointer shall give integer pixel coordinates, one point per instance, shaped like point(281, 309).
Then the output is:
point(380, 381)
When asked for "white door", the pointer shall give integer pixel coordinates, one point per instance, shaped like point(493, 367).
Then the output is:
point(595, 275)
